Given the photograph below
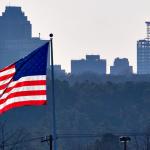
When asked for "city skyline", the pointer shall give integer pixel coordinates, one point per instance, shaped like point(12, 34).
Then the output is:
point(16, 39)
point(81, 29)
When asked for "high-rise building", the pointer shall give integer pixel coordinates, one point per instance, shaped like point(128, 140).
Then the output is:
point(59, 72)
point(92, 64)
point(121, 67)
point(143, 53)
point(16, 39)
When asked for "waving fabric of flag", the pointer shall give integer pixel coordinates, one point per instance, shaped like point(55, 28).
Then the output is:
point(24, 82)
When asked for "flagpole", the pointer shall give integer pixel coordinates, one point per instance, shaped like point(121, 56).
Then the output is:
point(53, 92)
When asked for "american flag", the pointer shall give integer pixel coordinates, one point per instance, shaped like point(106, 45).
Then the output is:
point(24, 82)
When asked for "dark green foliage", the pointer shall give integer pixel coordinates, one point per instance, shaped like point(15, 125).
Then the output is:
point(87, 107)
point(107, 105)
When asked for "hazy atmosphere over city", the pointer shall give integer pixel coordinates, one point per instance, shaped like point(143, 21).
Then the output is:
point(108, 28)
point(94, 92)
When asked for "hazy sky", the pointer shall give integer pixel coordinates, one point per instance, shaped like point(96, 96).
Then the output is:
point(109, 28)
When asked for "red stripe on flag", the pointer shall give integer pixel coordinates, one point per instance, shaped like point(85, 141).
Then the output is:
point(6, 77)
point(23, 93)
point(25, 103)
point(3, 86)
point(26, 83)
point(8, 67)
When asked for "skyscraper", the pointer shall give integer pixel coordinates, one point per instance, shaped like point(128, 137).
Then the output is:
point(121, 67)
point(16, 39)
point(143, 53)
point(92, 64)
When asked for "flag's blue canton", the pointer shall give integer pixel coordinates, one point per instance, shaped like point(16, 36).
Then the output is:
point(33, 64)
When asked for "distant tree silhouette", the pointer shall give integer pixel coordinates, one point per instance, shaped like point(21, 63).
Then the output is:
point(13, 140)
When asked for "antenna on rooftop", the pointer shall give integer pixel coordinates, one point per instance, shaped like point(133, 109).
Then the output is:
point(148, 30)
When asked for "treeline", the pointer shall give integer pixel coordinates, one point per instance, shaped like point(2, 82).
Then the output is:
point(108, 106)
point(97, 78)
point(86, 107)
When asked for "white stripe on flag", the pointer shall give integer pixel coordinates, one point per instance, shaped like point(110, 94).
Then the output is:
point(22, 99)
point(7, 72)
point(28, 78)
point(24, 88)
point(5, 81)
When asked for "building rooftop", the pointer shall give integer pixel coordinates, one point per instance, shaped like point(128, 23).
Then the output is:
point(14, 24)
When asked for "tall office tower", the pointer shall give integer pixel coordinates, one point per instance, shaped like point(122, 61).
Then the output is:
point(92, 64)
point(59, 72)
point(16, 39)
point(143, 53)
point(14, 25)
point(121, 67)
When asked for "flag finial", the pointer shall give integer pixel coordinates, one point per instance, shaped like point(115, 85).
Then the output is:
point(51, 35)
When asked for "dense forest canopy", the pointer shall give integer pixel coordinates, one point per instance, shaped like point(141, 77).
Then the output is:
point(86, 107)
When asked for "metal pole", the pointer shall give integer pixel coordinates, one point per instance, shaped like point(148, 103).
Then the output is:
point(125, 145)
point(147, 138)
point(3, 138)
point(124, 140)
point(51, 142)
point(53, 92)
